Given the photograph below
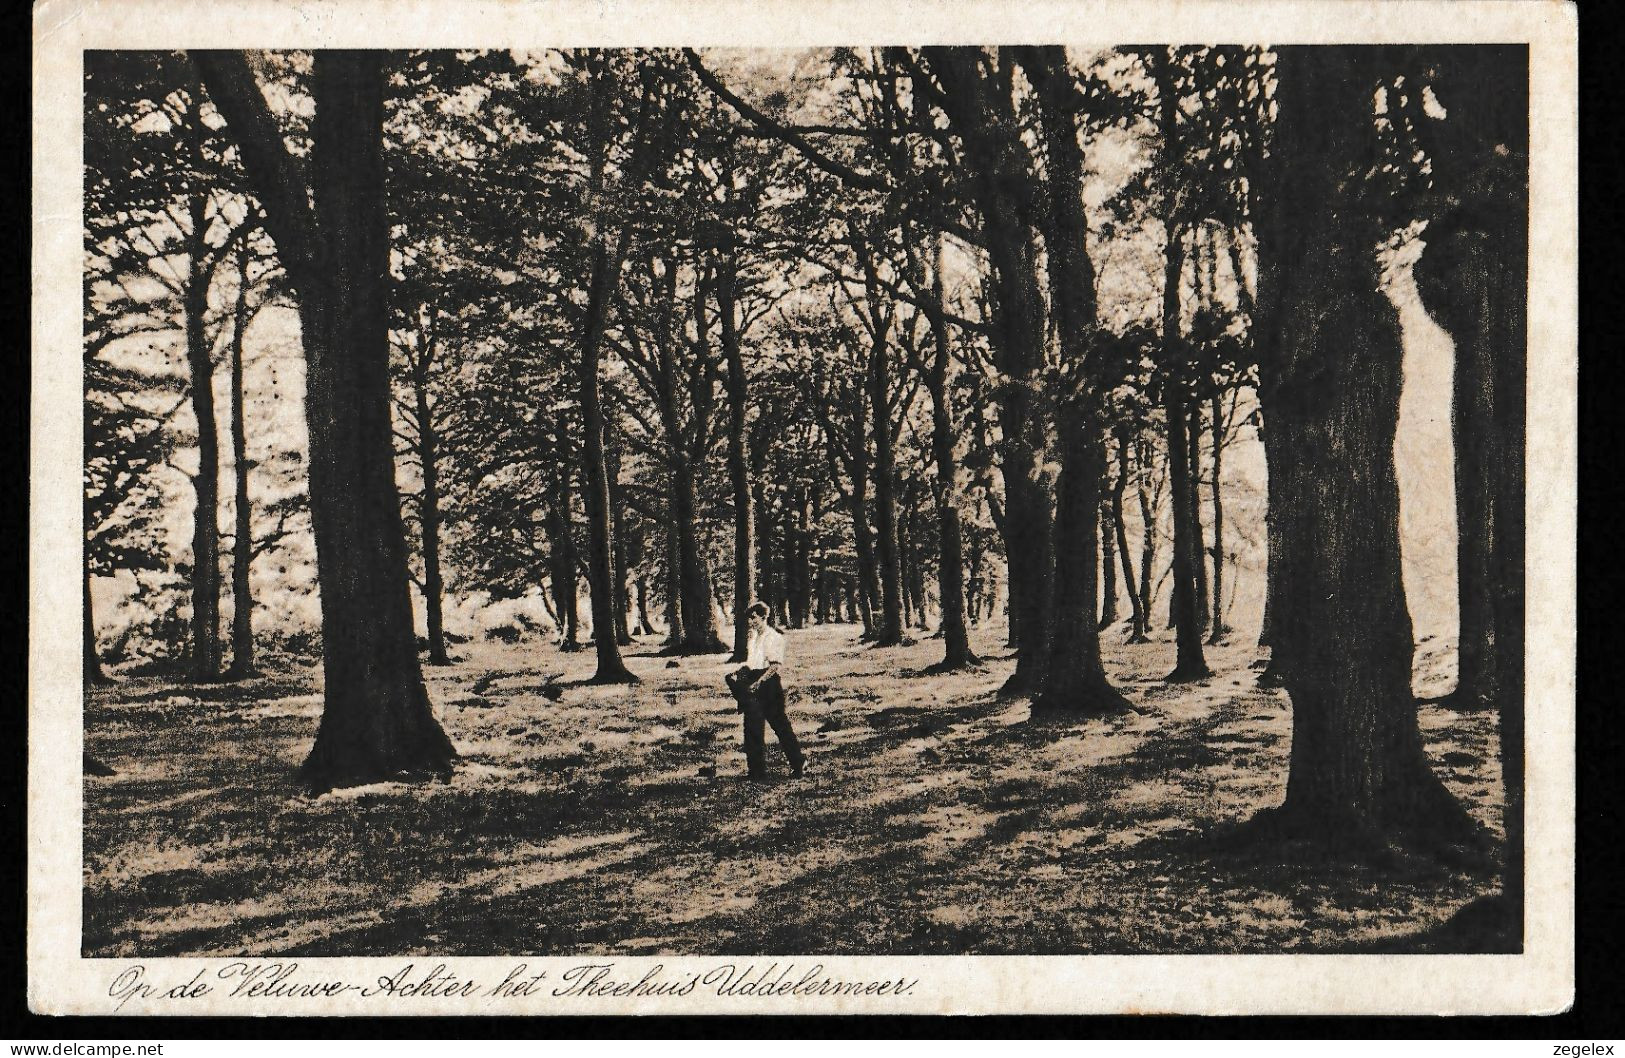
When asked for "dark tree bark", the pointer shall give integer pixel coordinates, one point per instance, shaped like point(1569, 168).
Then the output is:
point(242, 543)
point(1358, 774)
point(766, 589)
point(1148, 534)
point(801, 579)
point(428, 453)
point(889, 627)
point(206, 483)
point(983, 113)
point(1138, 625)
point(645, 627)
point(594, 471)
point(1193, 435)
point(956, 649)
point(1216, 625)
point(1185, 601)
point(1108, 567)
point(863, 541)
point(739, 469)
point(618, 551)
point(562, 559)
point(699, 625)
point(1075, 678)
point(377, 723)
point(1473, 278)
point(93, 663)
point(674, 574)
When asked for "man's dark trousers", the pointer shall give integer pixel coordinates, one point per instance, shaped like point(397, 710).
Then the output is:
point(762, 702)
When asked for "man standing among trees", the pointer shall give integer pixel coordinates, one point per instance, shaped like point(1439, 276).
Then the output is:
point(758, 688)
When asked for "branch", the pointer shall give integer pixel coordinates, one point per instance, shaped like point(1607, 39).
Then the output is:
point(845, 173)
point(277, 181)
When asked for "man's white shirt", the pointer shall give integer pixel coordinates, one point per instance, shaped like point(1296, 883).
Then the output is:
point(766, 647)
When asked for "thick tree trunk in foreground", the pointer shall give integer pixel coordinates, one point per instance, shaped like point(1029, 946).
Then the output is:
point(1473, 278)
point(1075, 682)
point(1358, 775)
point(377, 722)
point(242, 547)
point(206, 484)
point(986, 120)
point(1075, 678)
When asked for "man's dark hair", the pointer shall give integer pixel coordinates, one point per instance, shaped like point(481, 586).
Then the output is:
point(757, 609)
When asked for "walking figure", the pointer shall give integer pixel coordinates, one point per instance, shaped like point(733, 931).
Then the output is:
point(759, 690)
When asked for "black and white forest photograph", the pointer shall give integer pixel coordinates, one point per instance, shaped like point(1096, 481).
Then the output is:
point(1009, 499)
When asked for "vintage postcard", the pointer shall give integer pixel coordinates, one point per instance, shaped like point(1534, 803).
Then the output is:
point(816, 507)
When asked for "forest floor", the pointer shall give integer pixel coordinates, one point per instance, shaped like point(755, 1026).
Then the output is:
point(933, 818)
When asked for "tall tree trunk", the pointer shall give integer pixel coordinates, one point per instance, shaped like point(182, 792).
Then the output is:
point(889, 631)
point(645, 627)
point(1138, 625)
point(206, 484)
point(595, 472)
point(377, 723)
point(1185, 601)
point(1473, 277)
point(674, 573)
point(986, 120)
point(801, 578)
point(956, 650)
point(562, 559)
point(1075, 677)
point(242, 549)
point(863, 543)
point(1193, 435)
point(766, 589)
point(1108, 568)
point(1148, 536)
point(93, 663)
point(1216, 623)
point(434, 588)
point(699, 624)
point(617, 526)
point(739, 470)
point(1358, 774)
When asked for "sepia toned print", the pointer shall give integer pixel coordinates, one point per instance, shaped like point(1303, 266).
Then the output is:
point(697, 526)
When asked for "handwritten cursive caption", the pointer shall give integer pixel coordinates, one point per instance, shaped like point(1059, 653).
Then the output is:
point(272, 982)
